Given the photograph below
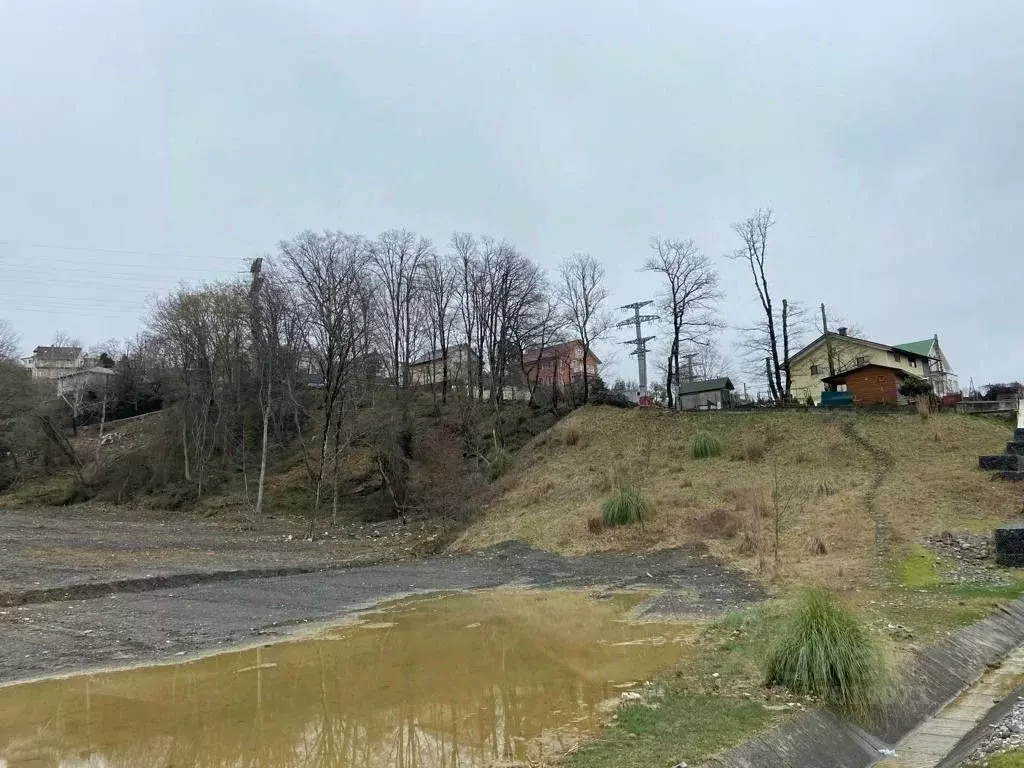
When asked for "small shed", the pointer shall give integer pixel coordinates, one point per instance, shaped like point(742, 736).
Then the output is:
point(710, 395)
point(870, 384)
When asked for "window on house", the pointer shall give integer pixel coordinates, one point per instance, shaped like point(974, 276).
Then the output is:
point(913, 363)
point(862, 360)
point(815, 370)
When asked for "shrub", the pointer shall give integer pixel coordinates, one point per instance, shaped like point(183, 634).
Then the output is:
point(817, 546)
point(705, 445)
point(595, 524)
point(718, 524)
point(823, 650)
point(913, 386)
point(754, 449)
point(626, 505)
point(496, 463)
point(571, 436)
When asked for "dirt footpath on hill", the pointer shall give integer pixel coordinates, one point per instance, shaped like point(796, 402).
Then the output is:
point(148, 621)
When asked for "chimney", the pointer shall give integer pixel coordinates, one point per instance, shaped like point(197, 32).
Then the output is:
point(843, 331)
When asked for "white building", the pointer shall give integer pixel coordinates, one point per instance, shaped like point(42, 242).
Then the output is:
point(54, 362)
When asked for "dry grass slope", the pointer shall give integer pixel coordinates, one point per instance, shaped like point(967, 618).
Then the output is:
point(807, 460)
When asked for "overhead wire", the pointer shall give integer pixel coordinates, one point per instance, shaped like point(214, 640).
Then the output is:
point(123, 251)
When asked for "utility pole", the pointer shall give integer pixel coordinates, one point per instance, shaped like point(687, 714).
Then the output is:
point(828, 342)
point(640, 341)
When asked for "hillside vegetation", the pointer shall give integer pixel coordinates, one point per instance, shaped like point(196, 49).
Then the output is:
point(843, 494)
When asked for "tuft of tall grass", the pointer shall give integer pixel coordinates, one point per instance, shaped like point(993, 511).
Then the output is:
point(705, 445)
point(496, 463)
point(626, 505)
point(823, 650)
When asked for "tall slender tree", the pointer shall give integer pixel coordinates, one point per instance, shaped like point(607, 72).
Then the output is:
point(583, 296)
point(687, 300)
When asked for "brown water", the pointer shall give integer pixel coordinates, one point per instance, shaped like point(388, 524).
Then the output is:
point(452, 682)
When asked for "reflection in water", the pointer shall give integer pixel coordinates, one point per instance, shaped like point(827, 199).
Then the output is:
point(467, 680)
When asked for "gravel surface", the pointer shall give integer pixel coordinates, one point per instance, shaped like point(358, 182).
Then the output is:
point(57, 549)
point(1006, 734)
point(166, 624)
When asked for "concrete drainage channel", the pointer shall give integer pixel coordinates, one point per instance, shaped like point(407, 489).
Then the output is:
point(937, 676)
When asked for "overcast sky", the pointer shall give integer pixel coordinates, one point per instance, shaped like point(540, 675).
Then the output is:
point(888, 137)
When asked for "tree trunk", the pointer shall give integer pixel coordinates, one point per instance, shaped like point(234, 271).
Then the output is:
point(263, 454)
point(785, 346)
point(103, 420)
point(668, 382)
point(336, 479)
point(586, 382)
point(184, 450)
point(444, 376)
point(772, 391)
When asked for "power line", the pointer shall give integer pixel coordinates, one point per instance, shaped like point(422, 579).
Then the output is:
point(123, 251)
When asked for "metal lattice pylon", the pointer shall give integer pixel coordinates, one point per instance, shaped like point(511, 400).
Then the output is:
point(640, 341)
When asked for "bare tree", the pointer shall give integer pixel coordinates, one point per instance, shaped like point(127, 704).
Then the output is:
point(441, 285)
point(583, 295)
point(774, 329)
point(397, 258)
point(327, 272)
point(65, 339)
point(276, 334)
point(514, 289)
point(9, 341)
point(540, 330)
point(199, 334)
point(466, 253)
point(688, 299)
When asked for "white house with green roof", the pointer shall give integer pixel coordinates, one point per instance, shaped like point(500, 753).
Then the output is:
point(940, 372)
point(840, 352)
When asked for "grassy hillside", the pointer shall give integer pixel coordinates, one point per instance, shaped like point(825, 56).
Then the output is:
point(854, 492)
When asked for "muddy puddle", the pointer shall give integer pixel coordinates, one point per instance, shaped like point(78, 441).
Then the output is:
point(464, 680)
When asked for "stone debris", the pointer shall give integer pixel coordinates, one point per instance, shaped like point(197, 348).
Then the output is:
point(1004, 735)
point(966, 557)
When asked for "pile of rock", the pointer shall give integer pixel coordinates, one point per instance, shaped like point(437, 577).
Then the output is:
point(966, 557)
point(1008, 733)
point(971, 547)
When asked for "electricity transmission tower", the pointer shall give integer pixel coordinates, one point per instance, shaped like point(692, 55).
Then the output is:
point(689, 367)
point(640, 341)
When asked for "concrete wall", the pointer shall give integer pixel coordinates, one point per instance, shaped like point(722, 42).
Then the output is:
point(934, 677)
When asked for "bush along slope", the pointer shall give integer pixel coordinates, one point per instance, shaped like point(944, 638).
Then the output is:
point(825, 651)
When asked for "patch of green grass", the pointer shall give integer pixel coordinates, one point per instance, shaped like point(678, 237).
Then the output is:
point(824, 650)
point(683, 727)
point(1012, 759)
point(712, 700)
point(994, 591)
point(919, 569)
point(625, 506)
point(705, 445)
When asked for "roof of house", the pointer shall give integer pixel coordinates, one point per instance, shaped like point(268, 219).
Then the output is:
point(54, 354)
point(923, 348)
point(887, 347)
point(437, 354)
point(711, 385)
point(841, 376)
point(554, 351)
point(97, 371)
